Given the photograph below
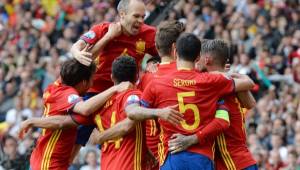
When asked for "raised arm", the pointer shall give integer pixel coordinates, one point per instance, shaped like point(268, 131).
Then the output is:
point(114, 30)
point(247, 100)
point(88, 47)
point(94, 103)
point(79, 51)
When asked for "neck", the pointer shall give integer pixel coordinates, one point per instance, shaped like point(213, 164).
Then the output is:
point(181, 64)
point(215, 69)
point(166, 58)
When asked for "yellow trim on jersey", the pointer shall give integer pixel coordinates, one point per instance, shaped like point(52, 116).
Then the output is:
point(242, 113)
point(224, 153)
point(138, 147)
point(49, 149)
point(161, 147)
point(152, 127)
point(101, 128)
point(46, 114)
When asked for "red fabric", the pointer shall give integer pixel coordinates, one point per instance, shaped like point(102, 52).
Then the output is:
point(135, 46)
point(152, 126)
point(132, 146)
point(212, 130)
point(200, 90)
point(234, 139)
point(53, 148)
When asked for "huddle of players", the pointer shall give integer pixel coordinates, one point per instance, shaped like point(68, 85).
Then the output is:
point(193, 119)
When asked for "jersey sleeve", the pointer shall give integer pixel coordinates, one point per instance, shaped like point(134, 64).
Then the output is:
point(131, 98)
point(220, 123)
point(222, 84)
point(66, 100)
point(94, 34)
point(148, 96)
point(82, 120)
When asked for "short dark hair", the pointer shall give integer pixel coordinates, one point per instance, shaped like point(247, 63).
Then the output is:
point(72, 72)
point(167, 34)
point(218, 49)
point(188, 47)
point(124, 68)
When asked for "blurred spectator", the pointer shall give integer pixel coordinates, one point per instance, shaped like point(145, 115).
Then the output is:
point(11, 158)
point(91, 161)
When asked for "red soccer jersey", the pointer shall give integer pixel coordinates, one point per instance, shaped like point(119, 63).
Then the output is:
point(126, 153)
point(232, 148)
point(197, 95)
point(135, 46)
point(54, 147)
point(152, 126)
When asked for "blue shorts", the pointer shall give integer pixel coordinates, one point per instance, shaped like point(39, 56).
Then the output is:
point(84, 132)
point(187, 161)
point(252, 167)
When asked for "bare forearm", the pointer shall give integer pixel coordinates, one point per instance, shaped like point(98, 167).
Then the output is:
point(99, 46)
point(78, 46)
point(93, 104)
point(136, 112)
point(247, 100)
point(243, 83)
point(52, 122)
point(120, 129)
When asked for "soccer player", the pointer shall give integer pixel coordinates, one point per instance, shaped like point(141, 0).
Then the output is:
point(165, 38)
point(130, 36)
point(119, 151)
point(197, 95)
point(54, 147)
point(231, 146)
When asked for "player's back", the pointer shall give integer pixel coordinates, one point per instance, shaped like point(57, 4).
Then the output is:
point(197, 95)
point(135, 46)
point(125, 153)
point(152, 125)
point(233, 152)
point(54, 147)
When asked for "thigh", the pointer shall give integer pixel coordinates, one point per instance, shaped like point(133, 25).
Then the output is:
point(252, 167)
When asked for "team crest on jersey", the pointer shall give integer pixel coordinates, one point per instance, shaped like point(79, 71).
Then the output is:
point(90, 35)
point(133, 99)
point(140, 46)
point(73, 98)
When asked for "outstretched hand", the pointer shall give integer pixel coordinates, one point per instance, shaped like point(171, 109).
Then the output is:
point(84, 56)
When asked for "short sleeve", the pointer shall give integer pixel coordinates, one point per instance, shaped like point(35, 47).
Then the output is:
point(148, 96)
point(67, 100)
point(94, 34)
point(222, 84)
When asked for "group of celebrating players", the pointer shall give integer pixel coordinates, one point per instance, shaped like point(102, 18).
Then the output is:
point(186, 113)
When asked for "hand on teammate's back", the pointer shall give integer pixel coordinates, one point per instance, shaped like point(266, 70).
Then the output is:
point(84, 56)
point(170, 114)
point(179, 142)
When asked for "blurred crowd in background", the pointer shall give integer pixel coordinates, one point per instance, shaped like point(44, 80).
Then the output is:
point(36, 35)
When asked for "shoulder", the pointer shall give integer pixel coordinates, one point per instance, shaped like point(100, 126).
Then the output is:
point(147, 29)
point(100, 27)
